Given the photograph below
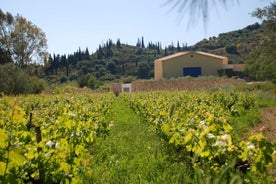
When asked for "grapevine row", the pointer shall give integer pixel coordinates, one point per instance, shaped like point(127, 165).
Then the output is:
point(198, 124)
point(46, 139)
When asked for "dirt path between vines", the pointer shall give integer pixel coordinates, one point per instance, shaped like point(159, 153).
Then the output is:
point(268, 123)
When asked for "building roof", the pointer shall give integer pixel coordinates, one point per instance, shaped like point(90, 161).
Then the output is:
point(186, 53)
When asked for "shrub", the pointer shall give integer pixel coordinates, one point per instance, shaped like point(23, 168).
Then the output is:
point(128, 79)
point(82, 81)
point(37, 85)
point(63, 79)
point(14, 80)
point(91, 82)
point(231, 49)
point(88, 81)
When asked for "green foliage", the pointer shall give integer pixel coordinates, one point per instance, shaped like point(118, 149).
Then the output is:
point(133, 153)
point(174, 137)
point(109, 63)
point(4, 57)
point(253, 27)
point(111, 67)
point(14, 80)
point(105, 87)
point(63, 79)
point(231, 49)
point(113, 61)
point(82, 81)
point(91, 82)
point(261, 66)
point(143, 71)
point(37, 85)
point(88, 80)
point(128, 79)
point(21, 41)
point(261, 62)
point(264, 92)
point(47, 140)
point(202, 129)
point(235, 45)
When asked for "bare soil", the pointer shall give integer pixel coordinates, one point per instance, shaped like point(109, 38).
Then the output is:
point(268, 123)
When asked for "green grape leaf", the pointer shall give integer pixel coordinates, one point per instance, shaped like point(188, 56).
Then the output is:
point(65, 167)
point(3, 140)
point(2, 168)
point(17, 158)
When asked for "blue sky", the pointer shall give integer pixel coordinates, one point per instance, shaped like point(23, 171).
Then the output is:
point(70, 24)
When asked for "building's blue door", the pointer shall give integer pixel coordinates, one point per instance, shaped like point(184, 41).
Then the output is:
point(192, 71)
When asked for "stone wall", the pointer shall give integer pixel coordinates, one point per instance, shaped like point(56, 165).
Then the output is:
point(116, 87)
point(178, 84)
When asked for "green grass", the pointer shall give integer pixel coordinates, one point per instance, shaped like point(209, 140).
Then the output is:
point(265, 92)
point(243, 123)
point(133, 153)
point(266, 100)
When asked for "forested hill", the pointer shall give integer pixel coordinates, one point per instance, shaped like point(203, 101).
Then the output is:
point(236, 45)
point(117, 61)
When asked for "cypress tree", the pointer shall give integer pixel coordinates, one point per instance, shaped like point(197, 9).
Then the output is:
point(178, 47)
point(87, 54)
point(138, 44)
point(118, 44)
point(143, 45)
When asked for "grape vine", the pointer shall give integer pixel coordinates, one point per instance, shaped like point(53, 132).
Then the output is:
point(46, 139)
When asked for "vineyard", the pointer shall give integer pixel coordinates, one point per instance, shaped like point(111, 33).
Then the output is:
point(46, 139)
point(201, 129)
point(170, 137)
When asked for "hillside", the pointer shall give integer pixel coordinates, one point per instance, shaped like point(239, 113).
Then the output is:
point(118, 61)
point(235, 45)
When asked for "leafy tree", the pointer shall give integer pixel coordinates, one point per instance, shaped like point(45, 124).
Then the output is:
point(261, 63)
point(82, 81)
point(14, 80)
point(253, 26)
point(111, 66)
point(88, 81)
point(231, 49)
point(63, 79)
point(143, 70)
point(139, 51)
point(21, 40)
point(6, 29)
point(91, 82)
point(4, 57)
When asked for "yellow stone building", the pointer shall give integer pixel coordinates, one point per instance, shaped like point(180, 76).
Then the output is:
point(193, 64)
